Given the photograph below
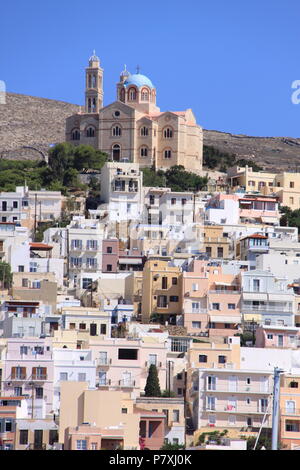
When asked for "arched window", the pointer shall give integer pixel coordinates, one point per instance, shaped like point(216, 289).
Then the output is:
point(89, 105)
point(94, 105)
point(168, 133)
point(116, 152)
point(75, 134)
point(144, 131)
point(89, 81)
point(144, 152)
point(145, 95)
point(122, 95)
point(90, 132)
point(132, 94)
point(94, 81)
point(168, 153)
point(116, 131)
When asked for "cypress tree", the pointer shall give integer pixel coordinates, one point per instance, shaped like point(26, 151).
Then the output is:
point(152, 388)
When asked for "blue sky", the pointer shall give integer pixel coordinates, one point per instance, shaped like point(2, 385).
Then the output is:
point(233, 62)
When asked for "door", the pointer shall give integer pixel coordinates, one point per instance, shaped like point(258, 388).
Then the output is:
point(103, 358)
point(280, 340)
point(211, 403)
point(211, 382)
point(126, 381)
point(93, 329)
point(38, 439)
point(231, 406)
point(232, 383)
point(264, 384)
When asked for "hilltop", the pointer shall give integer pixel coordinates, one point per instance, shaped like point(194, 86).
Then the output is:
point(28, 121)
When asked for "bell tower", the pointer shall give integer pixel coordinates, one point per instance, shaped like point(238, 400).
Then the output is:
point(93, 85)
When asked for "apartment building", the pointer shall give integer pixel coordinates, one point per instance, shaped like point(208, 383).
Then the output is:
point(117, 258)
point(11, 409)
point(211, 300)
point(92, 320)
point(28, 372)
point(267, 299)
point(290, 410)
point(232, 399)
point(277, 336)
point(121, 191)
point(162, 291)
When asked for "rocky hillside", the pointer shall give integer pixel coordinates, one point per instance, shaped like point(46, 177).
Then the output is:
point(28, 123)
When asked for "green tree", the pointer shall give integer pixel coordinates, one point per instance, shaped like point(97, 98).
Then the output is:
point(152, 388)
point(61, 157)
point(5, 275)
point(169, 446)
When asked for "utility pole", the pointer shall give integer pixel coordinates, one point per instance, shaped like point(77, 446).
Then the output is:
point(35, 202)
point(275, 414)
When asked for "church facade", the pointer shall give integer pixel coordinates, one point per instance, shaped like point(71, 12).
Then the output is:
point(132, 128)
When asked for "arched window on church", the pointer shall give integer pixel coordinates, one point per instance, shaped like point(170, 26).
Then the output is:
point(122, 95)
point(94, 81)
point(144, 152)
point(132, 94)
point(75, 134)
point(89, 81)
point(90, 132)
point(168, 133)
point(89, 105)
point(168, 153)
point(144, 131)
point(116, 131)
point(145, 95)
point(94, 105)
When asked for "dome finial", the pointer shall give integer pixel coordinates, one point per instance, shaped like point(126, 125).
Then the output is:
point(137, 69)
point(94, 58)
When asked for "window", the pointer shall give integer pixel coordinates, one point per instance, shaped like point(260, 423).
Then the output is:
point(24, 282)
point(108, 267)
point(162, 301)
point(94, 446)
point(231, 306)
point(168, 133)
point(21, 269)
point(215, 306)
point(292, 426)
point(175, 416)
point(196, 324)
point(174, 281)
point(144, 152)
point(292, 184)
point(33, 267)
point(81, 444)
point(116, 131)
point(174, 298)
point(132, 94)
point(153, 359)
point(17, 391)
point(256, 285)
point(222, 359)
point(75, 134)
point(86, 282)
point(269, 336)
point(81, 377)
point(220, 252)
point(203, 358)
point(103, 329)
point(227, 326)
point(293, 384)
point(194, 287)
point(173, 201)
point(23, 437)
point(144, 131)
point(109, 249)
point(90, 132)
point(63, 376)
point(39, 392)
point(145, 95)
point(128, 354)
point(167, 153)
point(8, 425)
point(24, 350)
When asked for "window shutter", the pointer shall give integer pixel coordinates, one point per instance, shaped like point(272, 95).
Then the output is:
point(13, 372)
point(34, 371)
point(23, 369)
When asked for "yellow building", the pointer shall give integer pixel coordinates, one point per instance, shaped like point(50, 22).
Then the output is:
point(162, 290)
point(215, 244)
point(285, 185)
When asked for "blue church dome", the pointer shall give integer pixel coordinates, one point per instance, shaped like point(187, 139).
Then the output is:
point(138, 80)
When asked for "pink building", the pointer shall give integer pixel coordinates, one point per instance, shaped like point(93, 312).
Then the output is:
point(259, 209)
point(28, 372)
point(276, 336)
point(211, 300)
point(115, 258)
point(123, 364)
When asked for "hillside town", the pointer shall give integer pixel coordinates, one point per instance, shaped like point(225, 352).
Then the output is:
point(153, 316)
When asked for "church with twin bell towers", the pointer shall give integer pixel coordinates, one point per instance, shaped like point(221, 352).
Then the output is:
point(133, 128)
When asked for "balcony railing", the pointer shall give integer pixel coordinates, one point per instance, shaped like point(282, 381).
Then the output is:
point(103, 361)
point(236, 409)
point(290, 412)
point(126, 383)
point(39, 377)
point(37, 447)
point(239, 389)
point(103, 383)
point(157, 364)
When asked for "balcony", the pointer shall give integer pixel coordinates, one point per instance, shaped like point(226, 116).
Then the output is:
point(290, 412)
point(103, 362)
point(103, 383)
point(236, 409)
point(149, 363)
point(239, 389)
point(37, 447)
point(126, 383)
point(18, 377)
point(39, 377)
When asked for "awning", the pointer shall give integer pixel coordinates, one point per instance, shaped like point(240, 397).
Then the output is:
point(225, 318)
point(270, 220)
point(254, 296)
point(130, 261)
point(252, 316)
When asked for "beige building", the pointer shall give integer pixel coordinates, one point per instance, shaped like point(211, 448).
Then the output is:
point(133, 129)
